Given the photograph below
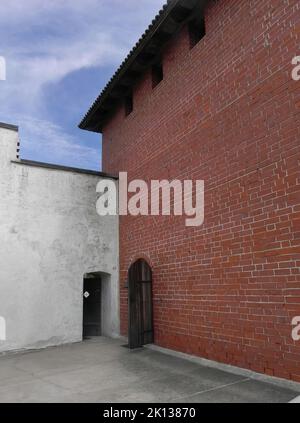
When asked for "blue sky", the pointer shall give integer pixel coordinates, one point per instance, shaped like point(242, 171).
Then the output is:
point(60, 54)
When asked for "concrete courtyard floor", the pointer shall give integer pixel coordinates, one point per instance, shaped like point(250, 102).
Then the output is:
point(102, 370)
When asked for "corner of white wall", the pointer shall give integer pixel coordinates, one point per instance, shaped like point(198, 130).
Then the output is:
point(9, 144)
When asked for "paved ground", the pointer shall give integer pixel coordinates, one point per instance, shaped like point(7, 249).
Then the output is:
point(101, 370)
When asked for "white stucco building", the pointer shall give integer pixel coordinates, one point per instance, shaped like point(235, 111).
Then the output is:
point(50, 238)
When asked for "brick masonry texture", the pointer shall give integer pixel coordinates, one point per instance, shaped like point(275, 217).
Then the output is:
point(227, 112)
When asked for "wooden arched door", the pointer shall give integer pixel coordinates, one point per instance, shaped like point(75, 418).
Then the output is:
point(140, 313)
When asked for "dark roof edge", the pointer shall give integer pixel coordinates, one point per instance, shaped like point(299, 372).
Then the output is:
point(64, 168)
point(156, 26)
point(9, 126)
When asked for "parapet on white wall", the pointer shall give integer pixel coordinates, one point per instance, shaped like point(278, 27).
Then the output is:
point(10, 144)
point(51, 235)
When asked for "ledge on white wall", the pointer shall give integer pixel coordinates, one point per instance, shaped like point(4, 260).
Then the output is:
point(9, 126)
point(33, 163)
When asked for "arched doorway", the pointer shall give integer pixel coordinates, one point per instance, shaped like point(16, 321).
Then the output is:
point(140, 330)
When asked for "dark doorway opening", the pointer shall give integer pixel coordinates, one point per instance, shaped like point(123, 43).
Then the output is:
point(140, 305)
point(91, 306)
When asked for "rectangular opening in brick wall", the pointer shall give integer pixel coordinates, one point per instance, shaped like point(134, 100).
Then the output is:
point(128, 104)
point(196, 31)
point(157, 74)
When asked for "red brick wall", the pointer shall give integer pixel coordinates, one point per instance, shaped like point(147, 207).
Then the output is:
point(227, 112)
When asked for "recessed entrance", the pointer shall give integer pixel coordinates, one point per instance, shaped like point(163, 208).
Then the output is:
point(140, 304)
point(91, 306)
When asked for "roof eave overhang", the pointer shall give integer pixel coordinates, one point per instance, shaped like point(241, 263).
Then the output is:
point(167, 23)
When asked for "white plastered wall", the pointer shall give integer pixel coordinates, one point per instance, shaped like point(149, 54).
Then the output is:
point(50, 236)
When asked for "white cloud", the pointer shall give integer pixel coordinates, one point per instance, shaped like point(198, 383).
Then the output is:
point(63, 147)
point(53, 38)
point(44, 41)
point(28, 74)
